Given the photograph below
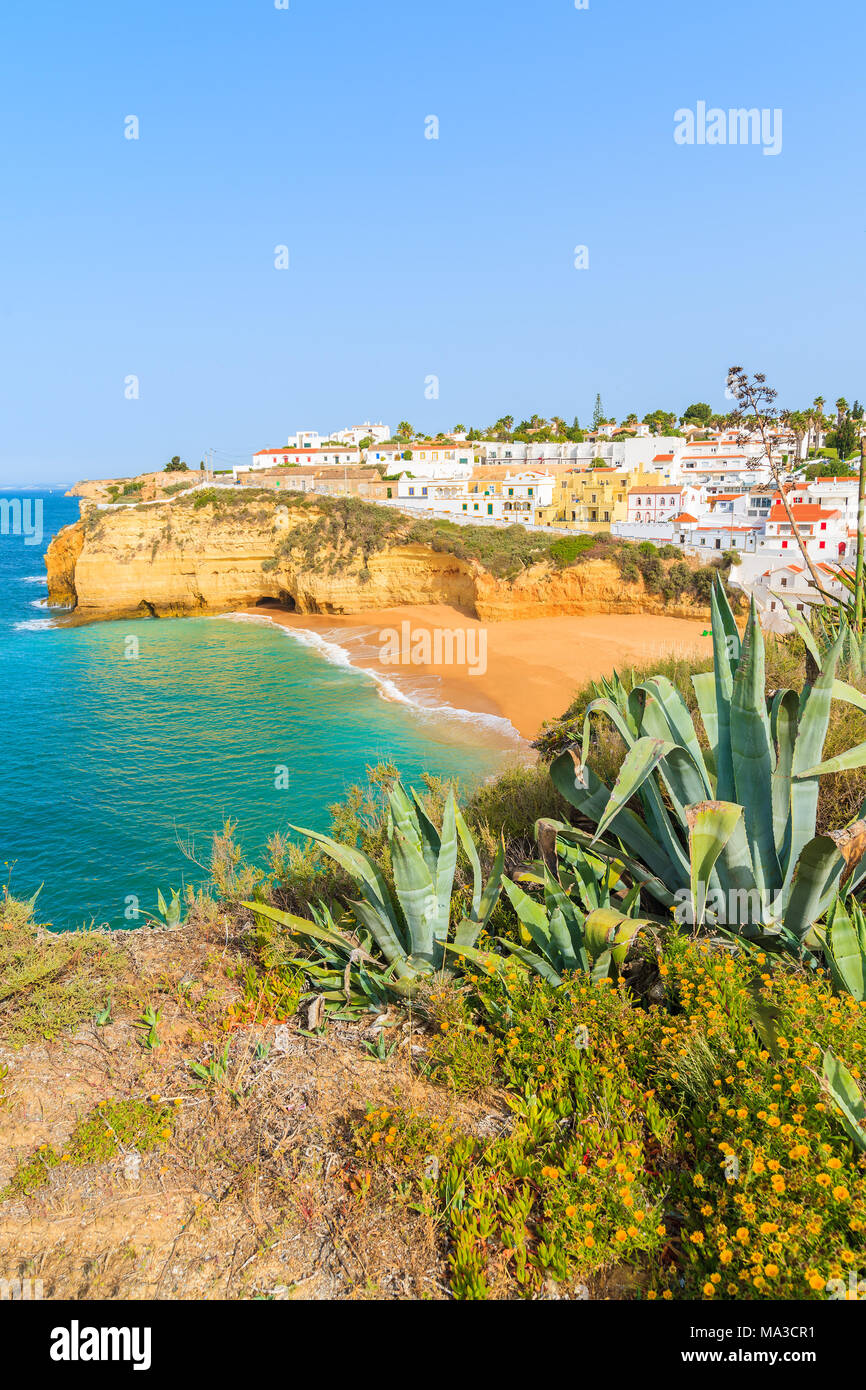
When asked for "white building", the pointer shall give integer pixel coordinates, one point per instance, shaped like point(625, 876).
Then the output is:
point(794, 582)
point(426, 458)
point(628, 455)
point(336, 455)
point(510, 498)
point(356, 433)
point(655, 506)
point(823, 530)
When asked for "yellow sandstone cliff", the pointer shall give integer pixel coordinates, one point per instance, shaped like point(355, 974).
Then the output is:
point(172, 560)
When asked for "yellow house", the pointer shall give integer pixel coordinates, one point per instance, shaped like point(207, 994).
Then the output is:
point(592, 499)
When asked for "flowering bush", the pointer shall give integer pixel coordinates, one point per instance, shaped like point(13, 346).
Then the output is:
point(680, 1150)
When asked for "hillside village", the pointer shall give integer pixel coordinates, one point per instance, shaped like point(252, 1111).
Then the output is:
point(705, 487)
point(774, 497)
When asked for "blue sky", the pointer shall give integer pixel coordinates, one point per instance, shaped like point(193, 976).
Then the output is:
point(411, 257)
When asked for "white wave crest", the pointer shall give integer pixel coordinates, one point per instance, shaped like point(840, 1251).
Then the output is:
point(34, 625)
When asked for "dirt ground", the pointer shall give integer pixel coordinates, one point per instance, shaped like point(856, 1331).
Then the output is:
point(255, 1193)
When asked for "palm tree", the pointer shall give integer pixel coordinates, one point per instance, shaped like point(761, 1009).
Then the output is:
point(799, 424)
point(817, 419)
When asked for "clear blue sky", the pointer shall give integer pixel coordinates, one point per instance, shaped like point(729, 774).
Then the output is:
point(411, 257)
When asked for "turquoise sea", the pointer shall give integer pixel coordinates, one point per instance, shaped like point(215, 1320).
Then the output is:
point(114, 764)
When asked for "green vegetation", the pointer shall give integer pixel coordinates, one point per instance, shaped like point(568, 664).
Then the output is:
point(49, 983)
point(661, 1151)
point(109, 1129)
point(127, 492)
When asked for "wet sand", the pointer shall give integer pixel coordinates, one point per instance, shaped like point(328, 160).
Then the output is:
point(525, 671)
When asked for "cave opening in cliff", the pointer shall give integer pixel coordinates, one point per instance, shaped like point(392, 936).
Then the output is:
point(284, 601)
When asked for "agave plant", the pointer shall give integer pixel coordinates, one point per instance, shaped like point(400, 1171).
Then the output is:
point(385, 946)
point(723, 830)
point(577, 926)
point(168, 914)
point(843, 941)
point(847, 1098)
point(828, 621)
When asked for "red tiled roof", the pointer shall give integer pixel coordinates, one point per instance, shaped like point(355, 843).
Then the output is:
point(802, 511)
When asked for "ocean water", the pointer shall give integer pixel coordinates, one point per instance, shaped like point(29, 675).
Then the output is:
point(127, 744)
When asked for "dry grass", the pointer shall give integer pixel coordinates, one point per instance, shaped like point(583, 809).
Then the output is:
point(252, 1192)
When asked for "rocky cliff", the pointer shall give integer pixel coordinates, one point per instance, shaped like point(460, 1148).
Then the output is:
point(168, 560)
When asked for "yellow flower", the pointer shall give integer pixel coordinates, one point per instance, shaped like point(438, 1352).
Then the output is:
point(709, 1291)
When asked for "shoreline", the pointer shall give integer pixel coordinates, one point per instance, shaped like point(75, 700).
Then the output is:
point(525, 671)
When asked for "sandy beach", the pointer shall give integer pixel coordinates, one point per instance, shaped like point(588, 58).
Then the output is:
point(524, 671)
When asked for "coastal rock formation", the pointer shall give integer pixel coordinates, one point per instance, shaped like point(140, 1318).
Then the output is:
point(171, 560)
point(143, 488)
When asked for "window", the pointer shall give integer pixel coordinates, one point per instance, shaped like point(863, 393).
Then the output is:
point(423, 492)
point(822, 545)
point(465, 506)
point(411, 492)
point(511, 492)
point(784, 545)
point(489, 508)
